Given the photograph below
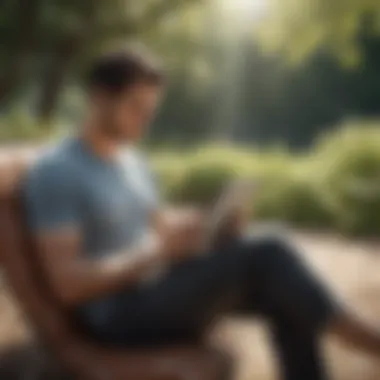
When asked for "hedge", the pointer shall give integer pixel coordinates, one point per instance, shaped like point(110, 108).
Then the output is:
point(335, 186)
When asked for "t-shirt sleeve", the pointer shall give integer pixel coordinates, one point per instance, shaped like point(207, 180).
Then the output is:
point(51, 198)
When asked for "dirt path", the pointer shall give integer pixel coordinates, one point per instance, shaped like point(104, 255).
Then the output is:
point(352, 269)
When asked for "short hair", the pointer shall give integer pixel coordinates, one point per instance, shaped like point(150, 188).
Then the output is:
point(116, 71)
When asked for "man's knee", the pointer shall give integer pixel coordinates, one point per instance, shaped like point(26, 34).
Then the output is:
point(269, 252)
point(290, 288)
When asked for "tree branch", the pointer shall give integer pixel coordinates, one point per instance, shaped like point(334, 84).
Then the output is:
point(149, 21)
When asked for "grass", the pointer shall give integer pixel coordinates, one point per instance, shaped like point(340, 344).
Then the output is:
point(351, 268)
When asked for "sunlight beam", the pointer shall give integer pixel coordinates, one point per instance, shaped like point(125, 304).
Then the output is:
point(244, 9)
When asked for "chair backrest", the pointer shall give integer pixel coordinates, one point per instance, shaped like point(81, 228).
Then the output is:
point(20, 262)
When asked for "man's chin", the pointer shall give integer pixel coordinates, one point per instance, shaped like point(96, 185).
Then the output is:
point(121, 138)
point(129, 139)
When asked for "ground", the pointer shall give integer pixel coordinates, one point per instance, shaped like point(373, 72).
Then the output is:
point(352, 269)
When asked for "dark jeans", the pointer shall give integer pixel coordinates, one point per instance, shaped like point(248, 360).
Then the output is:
point(255, 276)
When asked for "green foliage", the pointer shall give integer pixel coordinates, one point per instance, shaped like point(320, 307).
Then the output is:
point(294, 200)
point(219, 81)
point(352, 179)
point(19, 127)
point(202, 183)
point(336, 186)
point(298, 27)
point(53, 40)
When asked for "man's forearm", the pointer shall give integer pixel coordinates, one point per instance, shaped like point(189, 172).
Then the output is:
point(90, 279)
point(181, 233)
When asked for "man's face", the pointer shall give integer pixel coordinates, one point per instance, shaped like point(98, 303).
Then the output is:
point(126, 116)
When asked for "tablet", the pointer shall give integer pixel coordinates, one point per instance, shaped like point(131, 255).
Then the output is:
point(234, 200)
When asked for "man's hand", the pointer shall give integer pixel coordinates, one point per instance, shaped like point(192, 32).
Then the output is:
point(182, 232)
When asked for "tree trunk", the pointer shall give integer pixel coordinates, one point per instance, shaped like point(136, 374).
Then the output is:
point(27, 25)
point(67, 51)
point(53, 83)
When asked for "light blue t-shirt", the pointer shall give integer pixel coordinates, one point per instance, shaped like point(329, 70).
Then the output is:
point(110, 201)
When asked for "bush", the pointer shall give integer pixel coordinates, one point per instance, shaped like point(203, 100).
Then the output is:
point(352, 179)
point(169, 170)
point(294, 200)
point(201, 184)
point(20, 127)
point(335, 186)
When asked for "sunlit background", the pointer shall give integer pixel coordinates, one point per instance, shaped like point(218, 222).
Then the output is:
point(283, 92)
point(259, 71)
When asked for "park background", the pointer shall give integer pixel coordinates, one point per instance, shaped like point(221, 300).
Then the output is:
point(283, 92)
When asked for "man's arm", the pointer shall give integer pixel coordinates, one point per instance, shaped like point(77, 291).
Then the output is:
point(52, 200)
point(53, 203)
point(75, 279)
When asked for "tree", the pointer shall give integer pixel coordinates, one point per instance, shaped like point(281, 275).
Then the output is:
point(298, 27)
point(51, 39)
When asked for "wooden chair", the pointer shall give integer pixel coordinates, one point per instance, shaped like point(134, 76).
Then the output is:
point(80, 357)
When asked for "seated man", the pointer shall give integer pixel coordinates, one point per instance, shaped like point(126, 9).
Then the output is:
point(135, 277)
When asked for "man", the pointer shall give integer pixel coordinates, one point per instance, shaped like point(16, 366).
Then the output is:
point(136, 277)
